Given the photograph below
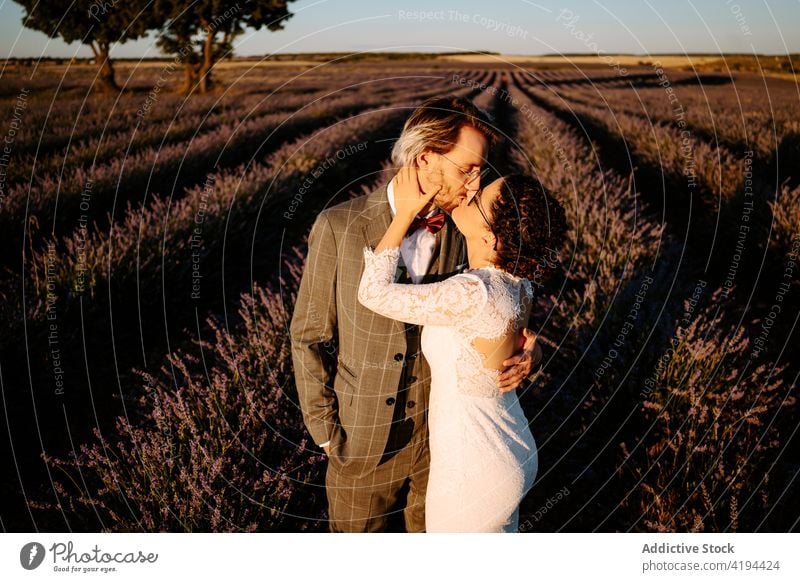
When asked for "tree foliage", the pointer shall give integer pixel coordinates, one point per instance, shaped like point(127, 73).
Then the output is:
point(201, 32)
point(97, 23)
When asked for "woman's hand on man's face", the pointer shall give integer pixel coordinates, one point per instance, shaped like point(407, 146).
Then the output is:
point(409, 199)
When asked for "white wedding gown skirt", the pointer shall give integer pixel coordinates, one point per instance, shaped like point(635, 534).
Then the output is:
point(483, 455)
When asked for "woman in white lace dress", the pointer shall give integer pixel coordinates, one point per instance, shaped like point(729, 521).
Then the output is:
point(483, 454)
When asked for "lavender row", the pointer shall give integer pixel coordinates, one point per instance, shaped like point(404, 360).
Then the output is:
point(741, 119)
point(610, 236)
point(165, 231)
point(673, 150)
point(55, 110)
point(737, 198)
point(610, 345)
point(87, 141)
point(55, 117)
point(142, 133)
point(79, 121)
point(92, 191)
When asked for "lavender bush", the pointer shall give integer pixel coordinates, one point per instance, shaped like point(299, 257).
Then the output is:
point(216, 443)
point(713, 432)
point(786, 225)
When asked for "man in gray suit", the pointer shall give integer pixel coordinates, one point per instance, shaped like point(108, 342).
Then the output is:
point(371, 419)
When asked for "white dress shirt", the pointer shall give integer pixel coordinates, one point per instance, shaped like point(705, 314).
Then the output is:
point(416, 249)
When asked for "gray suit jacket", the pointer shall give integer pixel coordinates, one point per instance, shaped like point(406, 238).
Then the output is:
point(346, 401)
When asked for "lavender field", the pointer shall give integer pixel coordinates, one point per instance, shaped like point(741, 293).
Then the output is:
point(153, 243)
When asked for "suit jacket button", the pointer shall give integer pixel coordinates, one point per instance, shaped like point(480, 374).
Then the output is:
point(411, 404)
point(398, 356)
point(390, 401)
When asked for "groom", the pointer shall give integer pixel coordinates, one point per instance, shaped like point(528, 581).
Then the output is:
point(367, 408)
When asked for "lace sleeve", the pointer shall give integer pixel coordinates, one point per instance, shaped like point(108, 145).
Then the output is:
point(451, 302)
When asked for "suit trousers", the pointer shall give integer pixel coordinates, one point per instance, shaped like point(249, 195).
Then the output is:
point(367, 503)
point(370, 503)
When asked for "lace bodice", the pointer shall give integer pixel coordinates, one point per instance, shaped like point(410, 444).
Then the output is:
point(483, 303)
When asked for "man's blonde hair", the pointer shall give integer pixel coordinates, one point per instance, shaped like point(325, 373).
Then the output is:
point(435, 125)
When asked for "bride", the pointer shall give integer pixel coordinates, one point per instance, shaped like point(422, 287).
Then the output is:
point(483, 455)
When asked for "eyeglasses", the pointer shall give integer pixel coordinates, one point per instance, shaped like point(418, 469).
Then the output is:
point(468, 176)
point(477, 199)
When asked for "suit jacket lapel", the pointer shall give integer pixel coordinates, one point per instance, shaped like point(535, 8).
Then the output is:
point(378, 216)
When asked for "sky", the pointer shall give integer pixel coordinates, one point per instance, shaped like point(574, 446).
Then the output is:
point(514, 27)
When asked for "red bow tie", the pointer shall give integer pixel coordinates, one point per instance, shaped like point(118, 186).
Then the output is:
point(434, 223)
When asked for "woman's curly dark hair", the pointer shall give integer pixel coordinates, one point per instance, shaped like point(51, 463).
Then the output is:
point(530, 226)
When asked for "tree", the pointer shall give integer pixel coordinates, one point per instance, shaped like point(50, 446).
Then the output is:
point(200, 32)
point(97, 23)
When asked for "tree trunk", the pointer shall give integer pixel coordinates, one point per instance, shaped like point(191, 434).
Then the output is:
point(189, 78)
point(205, 68)
point(105, 77)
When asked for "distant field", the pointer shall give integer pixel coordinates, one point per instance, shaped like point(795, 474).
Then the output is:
point(567, 60)
point(153, 244)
